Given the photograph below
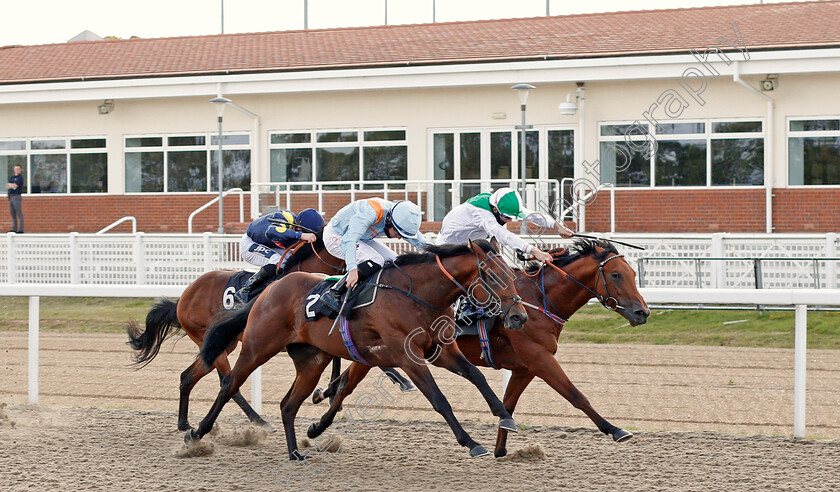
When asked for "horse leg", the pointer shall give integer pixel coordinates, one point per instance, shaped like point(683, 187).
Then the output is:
point(320, 395)
point(223, 367)
point(343, 386)
point(189, 378)
point(451, 359)
point(309, 364)
point(519, 380)
point(422, 378)
point(546, 367)
point(231, 382)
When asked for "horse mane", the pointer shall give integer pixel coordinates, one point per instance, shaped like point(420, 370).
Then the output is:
point(304, 252)
point(443, 251)
point(578, 249)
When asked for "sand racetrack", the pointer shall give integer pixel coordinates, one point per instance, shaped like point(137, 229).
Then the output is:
point(704, 418)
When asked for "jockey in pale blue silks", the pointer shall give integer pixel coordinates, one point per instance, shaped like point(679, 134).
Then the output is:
point(351, 235)
point(266, 240)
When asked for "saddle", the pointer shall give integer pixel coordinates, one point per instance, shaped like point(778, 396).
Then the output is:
point(471, 320)
point(361, 296)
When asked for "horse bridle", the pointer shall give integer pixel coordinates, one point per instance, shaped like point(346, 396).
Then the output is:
point(605, 299)
point(490, 256)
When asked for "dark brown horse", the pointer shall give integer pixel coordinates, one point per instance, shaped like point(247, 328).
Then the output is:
point(192, 313)
point(553, 293)
point(399, 329)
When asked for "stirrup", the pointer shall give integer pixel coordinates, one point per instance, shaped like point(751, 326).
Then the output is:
point(241, 296)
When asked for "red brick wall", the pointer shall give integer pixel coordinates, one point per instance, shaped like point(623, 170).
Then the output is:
point(794, 210)
point(806, 210)
point(154, 213)
point(679, 211)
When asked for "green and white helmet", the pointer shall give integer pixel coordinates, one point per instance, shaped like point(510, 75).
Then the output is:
point(508, 202)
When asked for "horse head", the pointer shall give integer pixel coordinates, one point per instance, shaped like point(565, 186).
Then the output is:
point(602, 271)
point(496, 286)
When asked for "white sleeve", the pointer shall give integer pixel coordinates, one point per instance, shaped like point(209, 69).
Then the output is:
point(504, 236)
point(538, 219)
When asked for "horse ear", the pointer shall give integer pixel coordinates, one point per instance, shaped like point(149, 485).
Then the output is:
point(475, 248)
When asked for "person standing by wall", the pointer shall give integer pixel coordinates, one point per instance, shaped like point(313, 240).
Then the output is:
point(14, 188)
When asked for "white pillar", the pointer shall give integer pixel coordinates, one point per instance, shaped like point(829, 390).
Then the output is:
point(34, 323)
point(831, 266)
point(505, 380)
point(800, 346)
point(75, 259)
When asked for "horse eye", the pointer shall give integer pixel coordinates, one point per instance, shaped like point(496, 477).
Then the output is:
point(616, 275)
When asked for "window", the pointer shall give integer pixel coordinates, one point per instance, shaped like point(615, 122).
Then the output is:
point(341, 155)
point(186, 163)
point(702, 153)
point(58, 165)
point(494, 154)
point(814, 152)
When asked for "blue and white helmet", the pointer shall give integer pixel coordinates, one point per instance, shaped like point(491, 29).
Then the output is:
point(406, 217)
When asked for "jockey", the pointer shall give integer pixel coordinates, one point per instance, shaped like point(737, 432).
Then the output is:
point(350, 235)
point(485, 215)
point(267, 238)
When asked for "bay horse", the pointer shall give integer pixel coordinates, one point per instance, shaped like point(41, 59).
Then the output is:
point(193, 311)
point(555, 292)
point(399, 329)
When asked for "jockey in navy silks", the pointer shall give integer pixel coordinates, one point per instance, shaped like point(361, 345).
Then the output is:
point(267, 238)
point(351, 235)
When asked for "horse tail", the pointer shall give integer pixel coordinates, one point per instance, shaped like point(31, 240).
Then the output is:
point(161, 322)
point(223, 332)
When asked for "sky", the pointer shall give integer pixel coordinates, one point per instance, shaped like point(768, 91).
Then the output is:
point(31, 22)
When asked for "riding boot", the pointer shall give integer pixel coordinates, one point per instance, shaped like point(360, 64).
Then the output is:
point(256, 279)
point(366, 270)
point(332, 297)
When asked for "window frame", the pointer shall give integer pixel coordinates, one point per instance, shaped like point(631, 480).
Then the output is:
point(707, 137)
point(208, 147)
point(806, 134)
point(360, 143)
point(68, 151)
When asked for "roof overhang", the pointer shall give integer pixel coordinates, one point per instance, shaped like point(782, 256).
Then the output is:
point(647, 67)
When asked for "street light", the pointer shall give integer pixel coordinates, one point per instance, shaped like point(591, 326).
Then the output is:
point(220, 103)
point(522, 91)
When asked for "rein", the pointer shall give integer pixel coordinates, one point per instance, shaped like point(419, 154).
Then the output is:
point(604, 300)
point(321, 259)
point(515, 298)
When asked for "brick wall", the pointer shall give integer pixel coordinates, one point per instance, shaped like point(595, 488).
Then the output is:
point(679, 211)
point(794, 210)
point(806, 210)
point(154, 213)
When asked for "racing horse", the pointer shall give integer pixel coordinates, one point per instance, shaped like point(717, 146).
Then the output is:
point(193, 311)
point(399, 329)
point(591, 269)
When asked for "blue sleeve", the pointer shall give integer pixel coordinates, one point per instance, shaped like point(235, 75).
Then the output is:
point(279, 233)
point(357, 226)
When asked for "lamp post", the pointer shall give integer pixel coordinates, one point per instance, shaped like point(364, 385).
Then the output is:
point(522, 91)
point(220, 103)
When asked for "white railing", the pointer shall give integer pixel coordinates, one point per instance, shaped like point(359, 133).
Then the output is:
point(216, 200)
point(695, 260)
point(120, 221)
point(540, 194)
point(799, 299)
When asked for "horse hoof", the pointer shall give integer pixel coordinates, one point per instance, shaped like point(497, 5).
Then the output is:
point(191, 436)
point(478, 451)
point(184, 427)
point(508, 425)
point(621, 435)
point(500, 453)
point(313, 431)
point(318, 396)
point(264, 425)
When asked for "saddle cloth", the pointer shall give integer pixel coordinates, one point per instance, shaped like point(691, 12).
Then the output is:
point(236, 282)
point(313, 308)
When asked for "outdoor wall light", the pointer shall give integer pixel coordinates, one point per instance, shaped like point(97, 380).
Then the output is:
point(106, 107)
point(769, 83)
point(569, 107)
